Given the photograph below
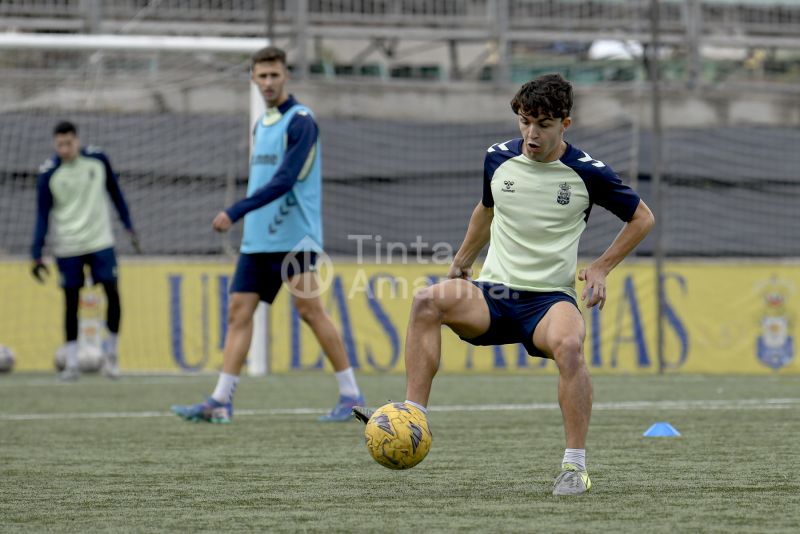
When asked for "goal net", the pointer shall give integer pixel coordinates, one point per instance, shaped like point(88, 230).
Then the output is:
point(175, 124)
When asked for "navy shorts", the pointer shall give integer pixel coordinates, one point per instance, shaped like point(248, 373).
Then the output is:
point(515, 314)
point(102, 264)
point(265, 272)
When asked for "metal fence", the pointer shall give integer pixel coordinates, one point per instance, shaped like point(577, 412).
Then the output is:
point(175, 125)
point(744, 20)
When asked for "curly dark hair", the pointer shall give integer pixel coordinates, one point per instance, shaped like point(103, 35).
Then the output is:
point(549, 95)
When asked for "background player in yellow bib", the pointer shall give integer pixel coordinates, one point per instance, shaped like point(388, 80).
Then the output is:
point(281, 240)
point(537, 196)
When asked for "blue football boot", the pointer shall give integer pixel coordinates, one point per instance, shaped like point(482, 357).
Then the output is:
point(344, 409)
point(210, 411)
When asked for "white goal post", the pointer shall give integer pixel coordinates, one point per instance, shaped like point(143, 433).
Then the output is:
point(100, 42)
point(259, 348)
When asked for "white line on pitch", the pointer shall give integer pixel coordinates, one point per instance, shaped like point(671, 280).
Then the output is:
point(742, 404)
point(138, 380)
point(749, 404)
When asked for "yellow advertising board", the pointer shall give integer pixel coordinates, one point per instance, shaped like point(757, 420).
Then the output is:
point(719, 318)
point(173, 315)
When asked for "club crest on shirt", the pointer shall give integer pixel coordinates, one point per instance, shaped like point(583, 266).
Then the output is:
point(563, 193)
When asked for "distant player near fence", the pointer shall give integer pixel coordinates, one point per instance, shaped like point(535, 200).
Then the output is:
point(72, 192)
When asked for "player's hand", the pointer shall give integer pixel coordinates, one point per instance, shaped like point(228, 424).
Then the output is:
point(594, 292)
point(137, 247)
point(460, 271)
point(39, 270)
point(221, 223)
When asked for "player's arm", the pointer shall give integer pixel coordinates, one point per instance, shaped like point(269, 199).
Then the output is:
point(628, 238)
point(44, 203)
point(480, 224)
point(115, 192)
point(478, 232)
point(301, 139)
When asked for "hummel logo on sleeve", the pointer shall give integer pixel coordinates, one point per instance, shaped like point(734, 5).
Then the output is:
point(587, 158)
point(47, 165)
point(502, 146)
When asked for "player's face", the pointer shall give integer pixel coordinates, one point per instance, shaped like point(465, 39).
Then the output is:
point(67, 146)
point(543, 136)
point(270, 77)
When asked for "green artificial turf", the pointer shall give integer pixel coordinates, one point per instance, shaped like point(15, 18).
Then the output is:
point(107, 456)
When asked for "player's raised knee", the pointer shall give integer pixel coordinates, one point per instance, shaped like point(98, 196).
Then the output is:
point(425, 305)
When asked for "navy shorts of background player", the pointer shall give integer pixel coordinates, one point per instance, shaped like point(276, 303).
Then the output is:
point(265, 272)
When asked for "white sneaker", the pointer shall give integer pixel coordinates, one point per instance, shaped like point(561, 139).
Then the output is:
point(572, 481)
point(110, 368)
point(69, 374)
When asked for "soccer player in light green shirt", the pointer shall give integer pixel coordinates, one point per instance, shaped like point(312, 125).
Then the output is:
point(72, 200)
point(538, 191)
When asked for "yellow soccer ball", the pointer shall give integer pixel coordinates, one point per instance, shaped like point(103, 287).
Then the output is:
point(398, 435)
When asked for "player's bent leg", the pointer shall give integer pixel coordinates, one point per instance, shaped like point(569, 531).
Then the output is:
point(306, 295)
point(71, 371)
point(560, 335)
point(110, 368)
point(305, 292)
point(456, 303)
point(241, 308)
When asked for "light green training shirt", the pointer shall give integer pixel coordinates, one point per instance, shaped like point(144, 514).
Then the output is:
point(540, 212)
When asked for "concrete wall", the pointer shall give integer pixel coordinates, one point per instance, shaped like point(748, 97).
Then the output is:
point(456, 102)
point(594, 106)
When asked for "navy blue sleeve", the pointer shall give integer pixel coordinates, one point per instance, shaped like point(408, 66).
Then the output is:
point(301, 136)
point(607, 189)
point(489, 166)
point(44, 203)
point(114, 190)
point(496, 155)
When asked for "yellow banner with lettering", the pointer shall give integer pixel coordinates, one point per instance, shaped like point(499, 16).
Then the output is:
point(718, 318)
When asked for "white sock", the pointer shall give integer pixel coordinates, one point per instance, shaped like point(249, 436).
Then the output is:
point(226, 387)
point(576, 457)
point(71, 355)
point(419, 406)
point(111, 345)
point(347, 383)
